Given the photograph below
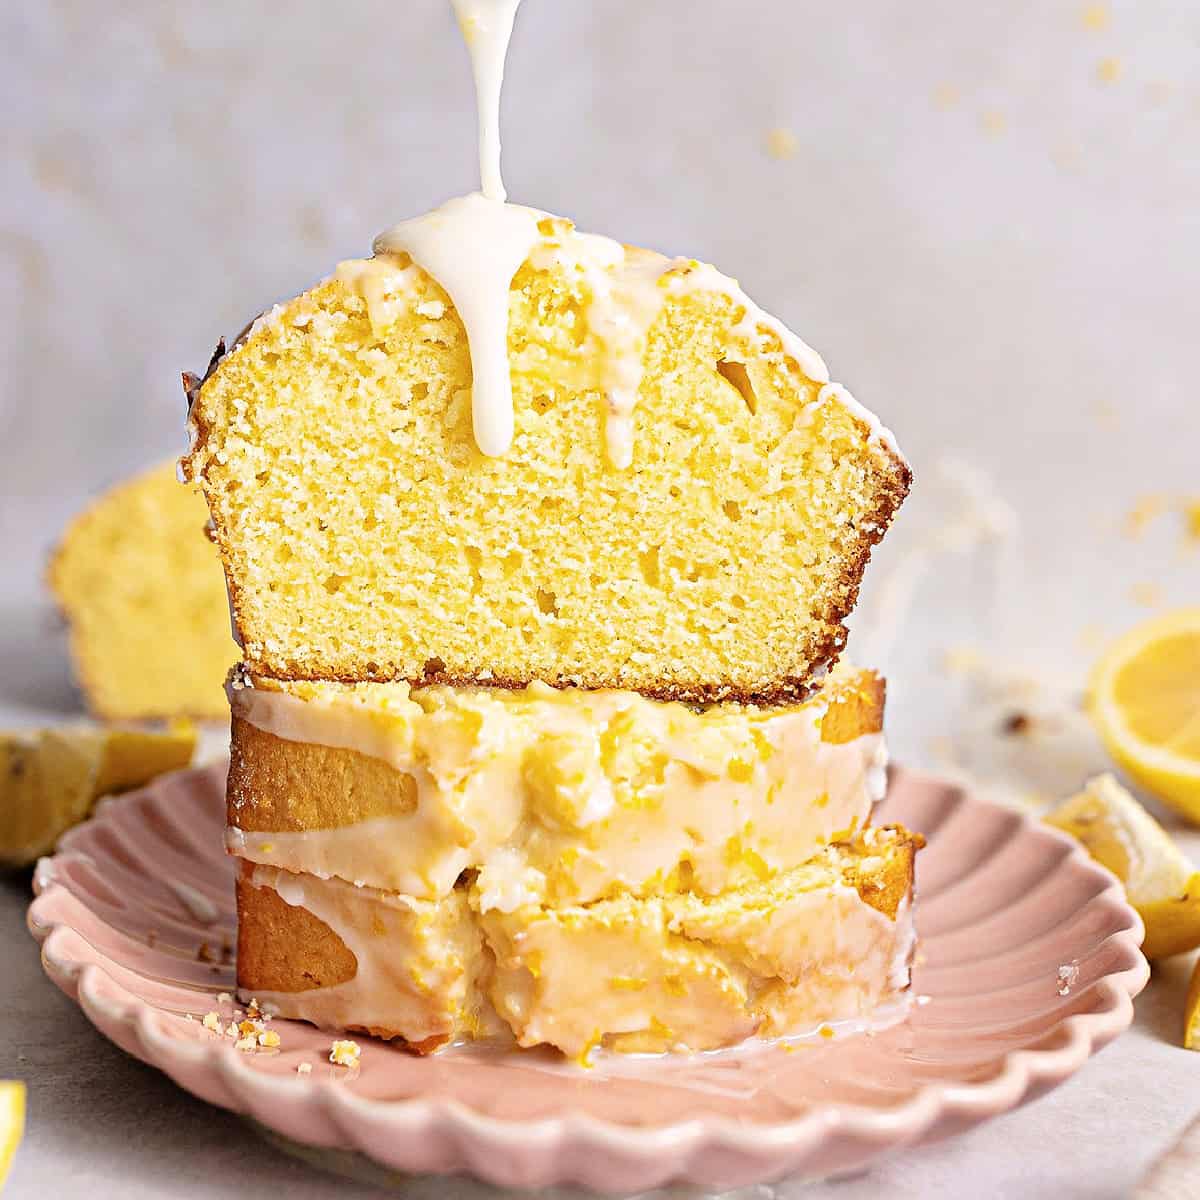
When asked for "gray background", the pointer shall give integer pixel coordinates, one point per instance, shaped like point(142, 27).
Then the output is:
point(992, 245)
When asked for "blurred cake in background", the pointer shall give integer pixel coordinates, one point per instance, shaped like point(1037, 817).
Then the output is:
point(143, 594)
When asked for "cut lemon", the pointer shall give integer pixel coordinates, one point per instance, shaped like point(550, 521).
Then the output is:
point(1191, 1012)
point(51, 779)
point(1144, 696)
point(1159, 881)
point(12, 1123)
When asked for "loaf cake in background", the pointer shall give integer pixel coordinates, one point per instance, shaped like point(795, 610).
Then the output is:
point(826, 942)
point(143, 594)
point(685, 510)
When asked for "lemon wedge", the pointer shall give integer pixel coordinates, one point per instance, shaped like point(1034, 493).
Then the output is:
point(12, 1123)
point(50, 779)
point(1191, 1012)
point(1144, 697)
point(1160, 882)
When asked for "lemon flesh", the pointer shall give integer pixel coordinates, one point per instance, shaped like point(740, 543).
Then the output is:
point(1144, 697)
point(1159, 880)
point(12, 1123)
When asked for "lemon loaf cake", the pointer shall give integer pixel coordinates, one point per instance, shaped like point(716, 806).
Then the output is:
point(825, 942)
point(623, 474)
point(51, 778)
point(551, 796)
point(144, 596)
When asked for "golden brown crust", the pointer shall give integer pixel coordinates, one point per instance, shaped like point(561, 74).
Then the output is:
point(856, 706)
point(284, 948)
point(278, 786)
point(886, 890)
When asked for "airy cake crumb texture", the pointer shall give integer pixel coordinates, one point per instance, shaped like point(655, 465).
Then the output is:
point(366, 538)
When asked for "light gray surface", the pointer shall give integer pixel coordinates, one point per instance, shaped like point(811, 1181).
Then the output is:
point(1021, 298)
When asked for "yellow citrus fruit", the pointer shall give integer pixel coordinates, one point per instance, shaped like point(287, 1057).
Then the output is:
point(12, 1123)
point(1191, 1012)
point(1144, 697)
point(1159, 880)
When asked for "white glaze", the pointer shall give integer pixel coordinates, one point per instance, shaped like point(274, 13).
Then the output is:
point(479, 806)
point(473, 247)
point(816, 956)
point(486, 27)
point(626, 294)
point(417, 963)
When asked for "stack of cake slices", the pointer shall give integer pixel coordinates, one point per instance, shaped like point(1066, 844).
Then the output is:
point(550, 746)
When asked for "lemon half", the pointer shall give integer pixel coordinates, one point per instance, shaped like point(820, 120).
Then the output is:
point(1144, 697)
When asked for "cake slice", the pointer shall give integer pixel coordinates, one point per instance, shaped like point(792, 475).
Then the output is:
point(825, 942)
point(549, 796)
point(144, 596)
point(685, 506)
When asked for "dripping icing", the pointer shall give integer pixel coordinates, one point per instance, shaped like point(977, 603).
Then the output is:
point(486, 27)
point(474, 245)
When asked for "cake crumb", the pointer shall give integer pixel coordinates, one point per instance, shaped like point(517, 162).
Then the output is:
point(246, 1043)
point(782, 143)
point(224, 998)
point(1068, 977)
point(1017, 723)
point(1147, 594)
point(961, 660)
point(993, 122)
point(212, 1020)
point(946, 96)
point(1159, 91)
point(1144, 510)
point(1110, 70)
point(304, 1068)
point(269, 1038)
point(1191, 520)
point(1095, 17)
point(344, 1053)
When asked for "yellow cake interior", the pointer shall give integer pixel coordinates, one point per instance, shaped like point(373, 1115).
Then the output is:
point(366, 537)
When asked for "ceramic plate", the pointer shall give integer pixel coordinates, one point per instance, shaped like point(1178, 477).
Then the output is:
point(1027, 965)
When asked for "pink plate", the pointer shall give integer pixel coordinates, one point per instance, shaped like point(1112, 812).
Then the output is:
point(1028, 964)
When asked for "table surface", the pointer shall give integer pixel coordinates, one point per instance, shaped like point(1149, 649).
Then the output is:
point(102, 1123)
point(989, 228)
